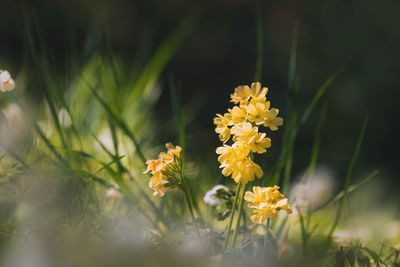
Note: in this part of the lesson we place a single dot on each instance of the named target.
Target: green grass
(84, 183)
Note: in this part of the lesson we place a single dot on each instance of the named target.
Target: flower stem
(235, 234)
(232, 215)
(266, 239)
(190, 206)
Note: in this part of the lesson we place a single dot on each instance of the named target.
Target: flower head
(223, 123)
(6, 82)
(243, 122)
(166, 170)
(241, 95)
(266, 202)
(272, 120)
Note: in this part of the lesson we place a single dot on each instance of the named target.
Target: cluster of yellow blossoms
(266, 202)
(165, 170)
(243, 122)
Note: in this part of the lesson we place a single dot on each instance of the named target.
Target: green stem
(266, 238)
(232, 215)
(235, 234)
(190, 207)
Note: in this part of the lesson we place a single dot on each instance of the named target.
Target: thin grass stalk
(266, 237)
(316, 144)
(348, 177)
(235, 234)
(232, 215)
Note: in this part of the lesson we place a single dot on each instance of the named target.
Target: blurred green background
(220, 53)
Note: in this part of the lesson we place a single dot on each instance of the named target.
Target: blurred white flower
(352, 236)
(211, 197)
(106, 139)
(392, 230)
(314, 190)
(13, 125)
(12, 112)
(64, 118)
(6, 82)
(113, 192)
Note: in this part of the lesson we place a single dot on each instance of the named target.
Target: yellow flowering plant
(242, 123)
(166, 170)
(266, 202)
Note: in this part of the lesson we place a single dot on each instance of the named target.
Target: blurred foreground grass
(73, 192)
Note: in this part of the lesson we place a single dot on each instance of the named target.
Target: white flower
(12, 112)
(211, 197)
(64, 118)
(6, 83)
(105, 138)
(314, 190)
(347, 237)
(113, 192)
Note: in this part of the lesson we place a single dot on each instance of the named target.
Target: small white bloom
(314, 190)
(6, 82)
(64, 118)
(211, 197)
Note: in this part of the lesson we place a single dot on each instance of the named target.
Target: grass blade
(349, 176)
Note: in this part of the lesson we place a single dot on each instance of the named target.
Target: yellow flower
(257, 112)
(259, 143)
(263, 214)
(222, 128)
(247, 171)
(241, 95)
(160, 182)
(6, 82)
(271, 119)
(244, 131)
(173, 150)
(266, 202)
(239, 114)
(237, 151)
(257, 197)
(242, 170)
(273, 194)
(257, 92)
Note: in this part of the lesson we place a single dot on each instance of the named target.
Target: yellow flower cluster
(160, 182)
(266, 202)
(243, 122)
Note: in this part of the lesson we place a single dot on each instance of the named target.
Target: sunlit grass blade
(317, 97)
(16, 157)
(177, 108)
(316, 143)
(41, 62)
(50, 145)
(161, 57)
(288, 136)
(121, 124)
(348, 177)
(123, 170)
(351, 189)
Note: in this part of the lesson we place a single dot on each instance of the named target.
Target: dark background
(221, 53)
